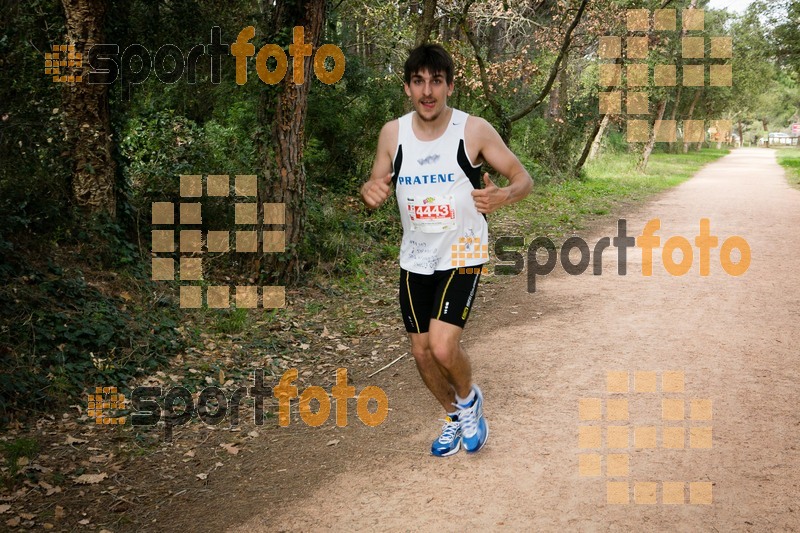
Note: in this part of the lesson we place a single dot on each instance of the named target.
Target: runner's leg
(432, 373)
(445, 346)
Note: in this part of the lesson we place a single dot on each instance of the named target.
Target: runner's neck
(430, 131)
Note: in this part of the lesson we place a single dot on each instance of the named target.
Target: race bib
(432, 214)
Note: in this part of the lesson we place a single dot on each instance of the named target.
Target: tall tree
(282, 113)
(504, 117)
(426, 22)
(86, 114)
(662, 95)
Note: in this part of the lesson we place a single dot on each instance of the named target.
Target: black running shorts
(445, 295)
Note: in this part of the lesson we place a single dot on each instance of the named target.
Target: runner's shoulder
(389, 135)
(478, 126)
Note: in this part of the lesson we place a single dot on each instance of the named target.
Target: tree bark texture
(282, 113)
(689, 117)
(426, 22)
(598, 138)
(86, 115)
(651, 142)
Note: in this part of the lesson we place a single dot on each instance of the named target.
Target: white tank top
(434, 180)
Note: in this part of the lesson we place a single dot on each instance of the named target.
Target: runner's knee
(422, 354)
(444, 352)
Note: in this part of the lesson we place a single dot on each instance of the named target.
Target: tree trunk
(591, 140)
(598, 138)
(283, 114)
(741, 134)
(674, 113)
(426, 22)
(504, 119)
(689, 117)
(496, 34)
(558, 95)
(86, 115)
(651, 143)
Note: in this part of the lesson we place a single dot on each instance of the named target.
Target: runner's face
(428, 93)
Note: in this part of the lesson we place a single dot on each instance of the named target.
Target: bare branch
(556, 66)
(495, 105)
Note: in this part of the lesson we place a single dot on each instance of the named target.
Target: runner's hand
(490, 198)
(376, 191)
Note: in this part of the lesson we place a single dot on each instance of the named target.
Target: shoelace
(466, 415)
(449, 431)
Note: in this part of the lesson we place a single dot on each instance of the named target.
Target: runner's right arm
(378, 188)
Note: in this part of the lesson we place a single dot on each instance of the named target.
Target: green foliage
(784, 18)
(343, 124)
(34, 171)
(161, 146)
(13, 451)
(343, 237)
(232, 321)
(60, 333)
(789, 159)
(65, 336)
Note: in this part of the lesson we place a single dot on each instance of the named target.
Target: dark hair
(430, 57)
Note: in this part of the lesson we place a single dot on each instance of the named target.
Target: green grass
(13, 451)
(558, 209)
(231, 322)
(789, 158)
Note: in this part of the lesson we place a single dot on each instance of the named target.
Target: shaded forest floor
(64, 472)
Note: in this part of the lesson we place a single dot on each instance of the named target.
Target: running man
(433, 157)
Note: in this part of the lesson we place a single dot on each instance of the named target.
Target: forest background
(81, 164)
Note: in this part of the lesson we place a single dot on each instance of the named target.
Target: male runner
(433, 156)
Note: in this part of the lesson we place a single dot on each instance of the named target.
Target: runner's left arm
(495, 152)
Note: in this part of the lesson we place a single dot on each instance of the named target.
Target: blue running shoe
(449, 442)
(475, 430)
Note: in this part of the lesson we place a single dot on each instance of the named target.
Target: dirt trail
(734, 338)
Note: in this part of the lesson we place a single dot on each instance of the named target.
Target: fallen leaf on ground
(91, 479)
(5, 507)
(201, 475)
(72, 440)
(230, 448)
(333, 442)
(84, 522)
(53, 490)
(13, 522)
(59, 513)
